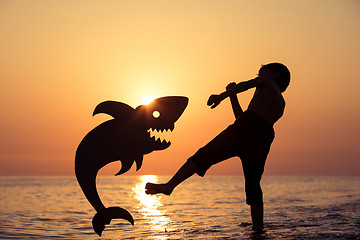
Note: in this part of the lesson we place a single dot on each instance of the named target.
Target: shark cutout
(125, 138)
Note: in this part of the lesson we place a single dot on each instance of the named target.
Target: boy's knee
(254, 194)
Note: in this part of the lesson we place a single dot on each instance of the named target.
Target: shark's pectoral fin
(127, 163)
(125, 166)
(139, 161)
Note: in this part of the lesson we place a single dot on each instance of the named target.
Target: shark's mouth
(158, 137)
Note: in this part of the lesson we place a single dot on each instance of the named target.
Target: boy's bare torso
(268, 101)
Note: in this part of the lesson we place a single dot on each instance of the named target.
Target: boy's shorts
(249, 138)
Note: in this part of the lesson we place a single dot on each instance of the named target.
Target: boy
(249, 138)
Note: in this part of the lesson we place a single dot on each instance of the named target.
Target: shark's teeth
(160, 135)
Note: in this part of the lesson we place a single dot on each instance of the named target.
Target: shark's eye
(156, 114)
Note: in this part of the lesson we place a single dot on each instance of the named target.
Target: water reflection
(149, 206)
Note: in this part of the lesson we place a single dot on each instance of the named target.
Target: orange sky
(59, 59)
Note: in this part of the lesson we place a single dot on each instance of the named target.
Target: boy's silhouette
(249, 137)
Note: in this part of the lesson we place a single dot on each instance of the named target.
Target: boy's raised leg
(186, 171)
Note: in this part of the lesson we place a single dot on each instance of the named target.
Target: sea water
(212, 207)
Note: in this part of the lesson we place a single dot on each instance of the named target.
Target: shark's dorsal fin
(114, 109)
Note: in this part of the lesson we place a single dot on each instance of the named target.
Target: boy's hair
(284, 79)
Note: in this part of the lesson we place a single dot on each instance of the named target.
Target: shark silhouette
(126, 138)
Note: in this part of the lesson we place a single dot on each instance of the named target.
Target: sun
(147, 99)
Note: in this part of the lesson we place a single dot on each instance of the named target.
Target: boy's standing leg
(253, 163)
(257, 216)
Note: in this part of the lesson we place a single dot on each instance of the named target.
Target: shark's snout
(161, 115)
(163, 112)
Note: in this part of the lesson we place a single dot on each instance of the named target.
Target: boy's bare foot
(258, 228)
(152, 188)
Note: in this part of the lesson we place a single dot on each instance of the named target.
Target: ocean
(212, 207)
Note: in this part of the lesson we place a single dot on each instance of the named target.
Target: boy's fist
(214, 100)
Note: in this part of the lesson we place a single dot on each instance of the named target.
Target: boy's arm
(216, 99)
(234, 102)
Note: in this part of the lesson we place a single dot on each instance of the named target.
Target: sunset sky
(59, 59)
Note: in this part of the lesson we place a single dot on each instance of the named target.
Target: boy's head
(281, 72)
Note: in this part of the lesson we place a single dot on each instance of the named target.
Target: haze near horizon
(59, 59)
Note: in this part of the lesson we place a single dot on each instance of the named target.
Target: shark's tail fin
(104, 217)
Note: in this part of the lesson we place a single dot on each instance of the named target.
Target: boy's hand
(230, 85)
(214, 100)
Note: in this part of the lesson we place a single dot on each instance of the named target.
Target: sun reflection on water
(149, 206)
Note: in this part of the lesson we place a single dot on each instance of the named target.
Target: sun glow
(150, 206)
(147, 99)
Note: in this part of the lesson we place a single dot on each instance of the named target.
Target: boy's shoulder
(269, 84)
